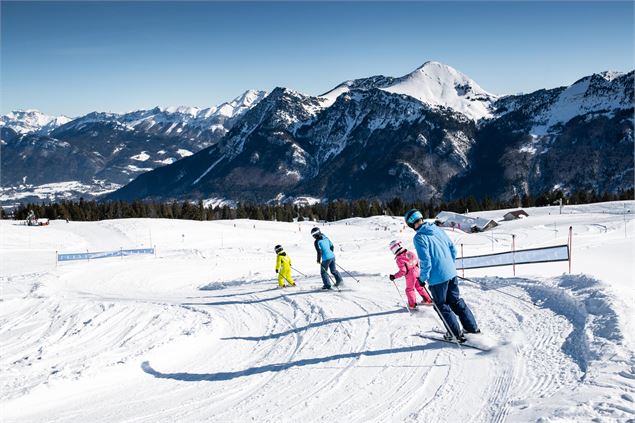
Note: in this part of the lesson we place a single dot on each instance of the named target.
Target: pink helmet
(396, 247)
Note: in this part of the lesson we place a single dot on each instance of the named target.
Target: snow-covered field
(201, 333)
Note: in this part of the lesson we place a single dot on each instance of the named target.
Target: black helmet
(315, 232)
(278, 249)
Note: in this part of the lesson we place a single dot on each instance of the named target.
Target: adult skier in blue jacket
(436, 257)
(326, 258)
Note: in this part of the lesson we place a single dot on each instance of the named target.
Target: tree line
(335, 210)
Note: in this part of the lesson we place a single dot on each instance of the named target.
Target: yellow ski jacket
(283, 261)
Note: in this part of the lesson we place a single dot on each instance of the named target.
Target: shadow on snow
(278, 367)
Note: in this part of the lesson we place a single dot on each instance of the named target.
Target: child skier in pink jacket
(408, 264)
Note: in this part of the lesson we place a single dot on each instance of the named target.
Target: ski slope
(201, 333)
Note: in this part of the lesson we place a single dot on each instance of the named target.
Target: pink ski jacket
(408, 264)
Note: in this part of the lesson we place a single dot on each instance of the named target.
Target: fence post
(121, 252)
(570, 245)
(514, 255)
(55, 258)
(87, 256)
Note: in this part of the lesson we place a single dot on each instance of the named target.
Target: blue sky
(75, 57)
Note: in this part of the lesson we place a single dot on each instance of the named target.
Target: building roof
(447, 218)
(517, 213)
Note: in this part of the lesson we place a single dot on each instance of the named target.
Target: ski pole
(503, 292)
(299, 272)
(399, 293)
(445, 323)
(347, 272)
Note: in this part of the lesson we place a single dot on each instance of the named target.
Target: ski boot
(450, 337)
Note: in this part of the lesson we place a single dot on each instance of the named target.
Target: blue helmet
(412, 216)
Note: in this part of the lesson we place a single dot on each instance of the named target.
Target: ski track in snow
(155, 339)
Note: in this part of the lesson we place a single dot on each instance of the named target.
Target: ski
(441, 339)
(336, 289)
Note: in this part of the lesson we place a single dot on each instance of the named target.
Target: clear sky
(75, 57)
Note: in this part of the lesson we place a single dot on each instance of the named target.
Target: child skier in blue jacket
(326, 258)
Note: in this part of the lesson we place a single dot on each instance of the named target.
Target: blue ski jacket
(324, 248)
(436, 253)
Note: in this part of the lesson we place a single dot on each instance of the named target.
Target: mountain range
(431, 134)
(58, 157)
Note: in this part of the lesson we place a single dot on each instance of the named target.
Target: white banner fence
(511, 258)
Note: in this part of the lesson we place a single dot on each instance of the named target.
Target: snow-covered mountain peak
(248, 98)
(240, 104)
(611, 75)
(603, 92)
(434, 84)
(431, 64)
(31, 120)
(184, 110)
(442, 74)
(185, 120)
(437, 84)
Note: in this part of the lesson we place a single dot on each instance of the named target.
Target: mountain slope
(106, 149)
(362, 140)
(431, 134)
(32, 121)
(569, 138)
(367, 143)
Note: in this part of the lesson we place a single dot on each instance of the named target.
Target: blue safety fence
(103, 254)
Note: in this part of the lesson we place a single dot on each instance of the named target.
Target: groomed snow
(201, 333)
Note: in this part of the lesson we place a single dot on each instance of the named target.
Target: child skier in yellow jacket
(283, 267)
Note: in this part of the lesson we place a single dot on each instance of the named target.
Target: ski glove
(276, 270)
(318, 260)
(421, 283)
(392, 277)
